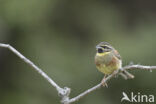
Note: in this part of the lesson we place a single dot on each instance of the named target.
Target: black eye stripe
(105, 47)
(100, 50)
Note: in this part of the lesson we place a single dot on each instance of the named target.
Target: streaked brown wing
(117, 54)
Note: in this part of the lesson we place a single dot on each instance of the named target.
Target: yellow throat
(102, 54)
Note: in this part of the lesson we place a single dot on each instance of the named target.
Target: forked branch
(65, 92)
(127, 74)
(61, 91)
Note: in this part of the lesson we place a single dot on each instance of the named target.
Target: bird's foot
(115, 73)
(103, 82)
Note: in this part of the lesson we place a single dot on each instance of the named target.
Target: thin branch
(141, 67)
(65, 92)
(26, 60)
(90, 90)
(124, 69)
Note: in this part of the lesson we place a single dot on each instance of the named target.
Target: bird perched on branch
(107, 60)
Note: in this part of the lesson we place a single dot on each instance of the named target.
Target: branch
(90, 90)
(141, 67)
(65, 92)
(123, 72)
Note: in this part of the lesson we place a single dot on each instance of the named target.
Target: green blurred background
(60, 37)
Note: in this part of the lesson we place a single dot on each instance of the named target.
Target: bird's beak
(97, 47)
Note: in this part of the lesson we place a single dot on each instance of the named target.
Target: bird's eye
(100, 50)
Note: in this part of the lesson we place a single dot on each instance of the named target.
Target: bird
(107, 60)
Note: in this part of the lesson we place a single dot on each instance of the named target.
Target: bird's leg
(103, 81)
(115, 73)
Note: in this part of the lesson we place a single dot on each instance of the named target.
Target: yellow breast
(107, 64)
(108, 69)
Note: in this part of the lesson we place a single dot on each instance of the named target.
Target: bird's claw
(104, 83)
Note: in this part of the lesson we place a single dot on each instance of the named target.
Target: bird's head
(103, 48)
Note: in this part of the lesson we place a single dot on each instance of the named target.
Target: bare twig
(124, 69)
(90, 90)
(141, 67)
(61, 91)
(65, 92)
